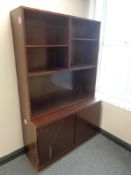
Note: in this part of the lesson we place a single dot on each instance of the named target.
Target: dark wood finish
(56, 62)
(84, 131)
(82, 28)
(53, 29)
(84, 39)
(84, 53)
(53, 117)
(56, 91)
(21, 64)
(52, 71)
(44, 46)
(55, 138)
(84, 128)
(43, 142)
(29, 130)
(62, 135)
(44, 59)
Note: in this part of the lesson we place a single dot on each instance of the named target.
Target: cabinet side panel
(91, 114)
(20, 58)
(17, 23)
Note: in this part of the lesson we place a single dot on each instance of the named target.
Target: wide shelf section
(57, 70)
(52, 92)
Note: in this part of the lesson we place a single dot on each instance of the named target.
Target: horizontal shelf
(69, 100)
(41, 73)
(48, 45)
(84, 39)
(82, 67)
(40, 118)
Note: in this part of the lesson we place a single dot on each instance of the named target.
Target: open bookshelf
(56, 61)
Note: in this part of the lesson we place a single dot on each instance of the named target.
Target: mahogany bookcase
(56, 61)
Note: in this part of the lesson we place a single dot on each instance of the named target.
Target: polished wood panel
(44, 146)
(29, 130)
(46, 46)
(84, 131)
(55, 116)
(62, 135)
(20, 57)
(86, 119)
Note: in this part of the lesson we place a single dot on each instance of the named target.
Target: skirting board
(21, 151)
(115, 139)
(12, 156)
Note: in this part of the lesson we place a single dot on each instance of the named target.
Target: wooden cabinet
(56, 61)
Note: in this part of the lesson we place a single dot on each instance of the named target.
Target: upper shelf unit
(58, 53)
(46, 28)
(56, 43)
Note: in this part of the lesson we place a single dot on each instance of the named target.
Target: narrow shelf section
(49, 45)
(84, 39)
(41, 73)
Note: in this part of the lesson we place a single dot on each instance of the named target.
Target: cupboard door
(43, 144)
(62, 135)
(85, 118)
(83, 131)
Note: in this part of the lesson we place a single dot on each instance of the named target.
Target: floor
(98, 156)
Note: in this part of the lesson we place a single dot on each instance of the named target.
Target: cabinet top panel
(50, 118)
(35, 10)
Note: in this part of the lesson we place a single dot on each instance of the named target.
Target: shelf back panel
(42, 28)
(43, 59)
(84, 28)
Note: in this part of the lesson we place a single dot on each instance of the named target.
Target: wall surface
(10, 122)
(116, 121)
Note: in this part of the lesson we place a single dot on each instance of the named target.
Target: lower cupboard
(57, 138)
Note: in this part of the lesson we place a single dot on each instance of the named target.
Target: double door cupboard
(56, 62)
